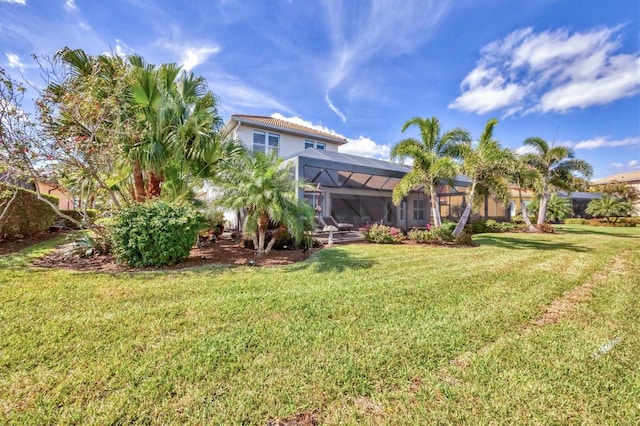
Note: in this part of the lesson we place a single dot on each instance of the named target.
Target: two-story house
(350, 188)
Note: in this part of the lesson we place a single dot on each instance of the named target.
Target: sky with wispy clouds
(565, 70)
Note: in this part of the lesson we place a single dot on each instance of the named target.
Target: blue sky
(564, 70)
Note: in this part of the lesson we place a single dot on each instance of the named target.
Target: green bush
(155, 233)
(382, 234)
(27, 214)
(490, 226)
(78, 215)
(464, 239)
(576, 221)
(433, 235)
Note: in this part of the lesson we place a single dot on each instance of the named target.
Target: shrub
(155, 233)
(490, 225)
(545, 228)
(576, 221)
(27, 214)
(464, 239)
(434, 235)
(214, 222)
(382, 234)
(90, 245)
(78, 215)
(420, 236)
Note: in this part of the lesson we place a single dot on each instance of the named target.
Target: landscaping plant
(155, 233)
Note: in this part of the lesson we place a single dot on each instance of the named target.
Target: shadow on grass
(591, 230)
(334, 259)
(25, 257)
(528, 244)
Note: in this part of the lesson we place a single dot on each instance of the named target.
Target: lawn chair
(329, 220)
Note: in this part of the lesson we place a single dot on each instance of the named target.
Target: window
(265, 142)
(401, 212)
(317, 145)
(418, 210)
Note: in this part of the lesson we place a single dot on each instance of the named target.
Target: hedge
(27, 214)
(78, 215)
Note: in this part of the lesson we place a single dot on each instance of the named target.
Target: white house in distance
(349, 188)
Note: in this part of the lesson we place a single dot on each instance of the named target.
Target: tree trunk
(138, 183)
(281, 230)
(153, 187)
(542, 213)
(467, 212)
(263, 226)
(435, 209)
(525, 213)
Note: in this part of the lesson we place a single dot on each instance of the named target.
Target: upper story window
(312, 144)
(266, 142)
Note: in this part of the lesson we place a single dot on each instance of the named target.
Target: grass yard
(358, 334)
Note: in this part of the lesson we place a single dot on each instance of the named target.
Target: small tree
(266, 189)
(609, 207)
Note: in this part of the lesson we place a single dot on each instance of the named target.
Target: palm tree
(431, 163)
(609, 206)
(524, 176)
(265, 187)
(486, 165)
(556, 166)
(178, 126)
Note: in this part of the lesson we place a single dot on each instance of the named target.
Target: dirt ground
(8, 246)
(228, 252)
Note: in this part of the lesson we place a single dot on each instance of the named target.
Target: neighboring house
(579, 201)
(65, 199)
(630, 178)
(45, 187)
(350, 188)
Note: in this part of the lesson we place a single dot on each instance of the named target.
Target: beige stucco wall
(65, 201)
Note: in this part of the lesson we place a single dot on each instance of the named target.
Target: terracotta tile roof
(283, 125)
(622, 177)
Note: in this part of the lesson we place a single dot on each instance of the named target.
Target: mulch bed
(224, 252)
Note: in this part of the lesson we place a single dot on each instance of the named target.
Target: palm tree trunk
(467, 212)
(525, 213)
(138, 183)
(542, 213)
(263, 226)
(153, 185)
(435, 209)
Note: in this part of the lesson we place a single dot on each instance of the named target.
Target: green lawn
(358, 334)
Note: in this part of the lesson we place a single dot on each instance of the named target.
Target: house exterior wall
(289, 144)
(65, 201)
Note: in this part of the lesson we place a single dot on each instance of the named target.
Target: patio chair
(329, 220)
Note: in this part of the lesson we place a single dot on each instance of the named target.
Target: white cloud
(365, 147)
(191, 56)
(618, 167)
(604, 142)
(302, 122)
(14, 61)
(550, 71)
(122, 49)
(525, 149)
(364, 31)
(70, 5)
(333, 108)
(236, 96)
(84, 26)
(22, 2)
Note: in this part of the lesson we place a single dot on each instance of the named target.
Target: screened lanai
(358, 190)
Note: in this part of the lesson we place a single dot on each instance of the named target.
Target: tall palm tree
(524, 176)
(431, 164)
(556, 166)
(486, 165)
(265, 187)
